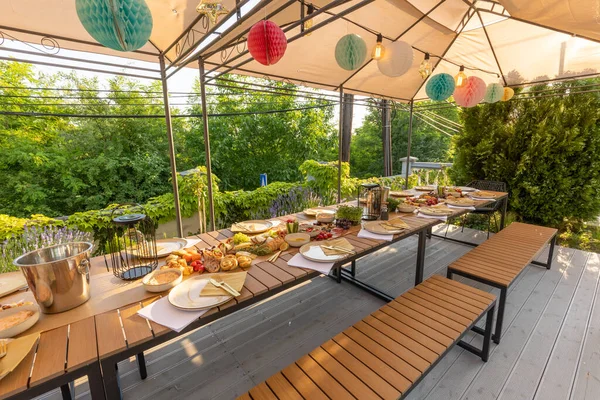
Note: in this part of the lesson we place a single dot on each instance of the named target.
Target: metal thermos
(58, 276)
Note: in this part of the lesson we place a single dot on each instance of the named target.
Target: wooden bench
(388, 353)
(501, 259)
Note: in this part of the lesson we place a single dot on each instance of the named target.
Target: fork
(225, 286)
(3, 347)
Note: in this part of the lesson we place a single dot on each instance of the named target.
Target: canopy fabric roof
(506, 41)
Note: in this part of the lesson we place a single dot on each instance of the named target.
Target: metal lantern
(369, 196)
(131, 242)
(123, 25)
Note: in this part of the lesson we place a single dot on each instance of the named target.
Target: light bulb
(309, 23)
(378, 50)
(425, 67)
(461, 78)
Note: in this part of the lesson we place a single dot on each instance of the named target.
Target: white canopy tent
(513, 42)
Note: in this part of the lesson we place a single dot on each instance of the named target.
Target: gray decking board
(229, 356)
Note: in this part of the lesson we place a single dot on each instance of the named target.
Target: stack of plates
(186, 295)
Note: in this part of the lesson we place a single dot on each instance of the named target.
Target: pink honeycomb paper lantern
(471, 93)
(266, 42)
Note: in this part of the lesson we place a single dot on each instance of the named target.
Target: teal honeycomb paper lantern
(350, 52)
(440, 87)
(493, 93)
(123, 25)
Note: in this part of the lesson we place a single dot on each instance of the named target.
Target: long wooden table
(121, 333)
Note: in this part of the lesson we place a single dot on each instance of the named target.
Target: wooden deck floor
(550, 349)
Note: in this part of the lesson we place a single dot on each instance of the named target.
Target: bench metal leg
(141, 360)
(503, 215)
(487, 336)
(500, 318)
(353, 268)
(548, 263)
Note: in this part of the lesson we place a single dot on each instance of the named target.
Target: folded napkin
(396, 223)
(300, 262)
(163, 313)
(17, 350)
(461, 208)
(341, 242)
(369, 235)
(234, 279)
(192, 242)
(440, 217)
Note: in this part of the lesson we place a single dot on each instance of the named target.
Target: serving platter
(22, 326)
(252, 227)
(11, 282)
(379, 228)
(485, 195)
(313, 252)
(164, 247)
(186, 295)
(461, 202)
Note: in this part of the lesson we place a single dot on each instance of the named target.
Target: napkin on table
(440, 217)
(340, 242)
(300, 262)
(192, 242)
(234, 279)
(461, 208)
(163, 313)
(369, 235)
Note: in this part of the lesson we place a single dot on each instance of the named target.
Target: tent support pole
(410, 128)
(165, 89)
(386, 136)
(211, 205)
(339, 183)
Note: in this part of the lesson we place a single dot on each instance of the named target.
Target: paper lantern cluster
(123, 28)
(440, 87)
(350, 52)
(471, 93)
(396, 60)
(266, 42)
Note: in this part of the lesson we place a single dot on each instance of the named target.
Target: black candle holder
(131, 242)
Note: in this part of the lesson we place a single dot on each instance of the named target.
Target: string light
(309, 23)
(425, 67)
(461, 78)
(378, 50)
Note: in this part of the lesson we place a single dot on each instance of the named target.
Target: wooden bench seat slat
(453, 303)
(479, 295)
(411, 308)
(378, 365)
(484, 274)
(499, 271)
(457, 314)
(303, 384)
(492, 263)
(322, 379)
(464, 287)
(397, 356)
(262, 392)
(429, 323)
(417, 325)
(352, 384)
(451, 292)
(282, 388)
(360, 370)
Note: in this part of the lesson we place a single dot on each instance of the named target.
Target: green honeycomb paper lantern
(350, 52)
(123, 25)
(493, 93)
(440, 87)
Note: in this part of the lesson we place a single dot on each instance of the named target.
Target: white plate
(186, 296)
(424, 188)
(314, 252)
(435, 212)
(312, 212)
(375, 227)
(252, 227)
(467, 189)
(23, 326)
(11, 282)
(167, 246)
(460, 203)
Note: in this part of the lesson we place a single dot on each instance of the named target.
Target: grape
(343, 223)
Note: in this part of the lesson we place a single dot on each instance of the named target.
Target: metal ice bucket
(58, 275)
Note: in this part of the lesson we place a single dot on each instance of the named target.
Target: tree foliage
(427, 144)
(547, 148)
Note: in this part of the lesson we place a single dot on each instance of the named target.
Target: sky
(182, 81)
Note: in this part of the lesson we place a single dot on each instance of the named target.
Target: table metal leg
(66, 391)
(95, 383)
(141, 360)
(110, 375)
(353, 268)
(503, 215)
(420, 257)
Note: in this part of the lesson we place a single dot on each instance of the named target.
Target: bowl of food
(161, 280)
(406, 208)
(17, 318)
(325, 217)
(309, 229)
(297, 239)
